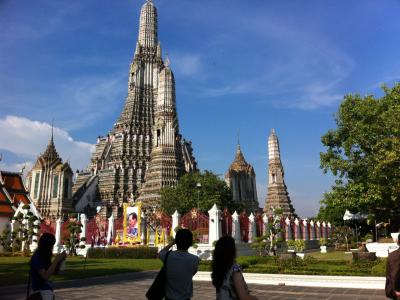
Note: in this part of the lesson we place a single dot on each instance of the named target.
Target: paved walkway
(134, 286)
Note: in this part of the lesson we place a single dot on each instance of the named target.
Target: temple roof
(240, 164)
(12, 192)
(50, 154)
(50, 157)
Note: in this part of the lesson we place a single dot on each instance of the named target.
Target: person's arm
(164, 251)
(392, 275)
(45, 274)
(240, 287)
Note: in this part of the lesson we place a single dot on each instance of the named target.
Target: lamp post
(198, 186)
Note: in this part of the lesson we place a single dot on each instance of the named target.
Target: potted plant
(322, 244)
(299, 246)
(291, 245)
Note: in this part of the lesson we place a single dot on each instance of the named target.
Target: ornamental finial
(167, 61)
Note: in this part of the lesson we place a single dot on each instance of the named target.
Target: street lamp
(198, 186)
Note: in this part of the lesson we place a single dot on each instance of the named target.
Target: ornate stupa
(241, 178)
(144, 138)
(277, 195)
(49, 183)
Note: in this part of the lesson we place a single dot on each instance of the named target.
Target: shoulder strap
(29, 279)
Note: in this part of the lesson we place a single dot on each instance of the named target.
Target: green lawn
(14, 270)
(333, 263)
(333, 255)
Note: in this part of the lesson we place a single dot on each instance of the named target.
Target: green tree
(187, 195)
(363, 152)
(73, 240)
(25, 232)
(273, 237)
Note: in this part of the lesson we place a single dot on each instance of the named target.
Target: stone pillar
(236, 227)
(312, 230)
(175, 222)
(324, 235)
(252, 229)
(57, 245)
(297, 229)
(306, 236)
(83, 222)
(265, 221)
(143, 225)
(110, 231)
(214, 229)
(288, 229)
(318, 230)
(329, 230)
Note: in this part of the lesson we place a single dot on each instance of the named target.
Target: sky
(240, 66)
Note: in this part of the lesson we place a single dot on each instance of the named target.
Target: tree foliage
(363, 152)
(72, 240)
(272, 239)
(26, 230)
(186, 195)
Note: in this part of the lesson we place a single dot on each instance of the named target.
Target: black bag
(157, 289)
(35, 296)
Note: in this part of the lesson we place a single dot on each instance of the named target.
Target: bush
(299, 245)
(119, 252)
(379, 269)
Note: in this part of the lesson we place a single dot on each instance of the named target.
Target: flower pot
(395, 236)
(301, 255)
(323, 249)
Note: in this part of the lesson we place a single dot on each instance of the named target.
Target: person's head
(183, 239)
(132, 219)
(223, 259)
(45, 247)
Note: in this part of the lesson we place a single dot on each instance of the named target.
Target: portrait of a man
(132, 223)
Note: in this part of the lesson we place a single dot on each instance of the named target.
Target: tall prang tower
(277, 195)
(145, 136)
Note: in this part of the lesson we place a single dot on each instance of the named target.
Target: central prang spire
(148, 25)
(144, 150)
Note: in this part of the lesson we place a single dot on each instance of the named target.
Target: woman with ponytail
(226, 275)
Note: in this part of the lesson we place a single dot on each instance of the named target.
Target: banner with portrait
(132, 230)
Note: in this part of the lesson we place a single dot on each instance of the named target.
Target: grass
(14, 270)
(333, 255)
(333, 263)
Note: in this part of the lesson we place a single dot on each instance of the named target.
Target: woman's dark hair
(45, 248)
(183, 239)
(223, 258)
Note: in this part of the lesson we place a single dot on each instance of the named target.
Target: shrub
(299, 245)
(323, 241)
(379, 269)
(119, 252)
(291, 244)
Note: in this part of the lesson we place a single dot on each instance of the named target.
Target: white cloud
(28, 138)
(185, 63)
(17, 167)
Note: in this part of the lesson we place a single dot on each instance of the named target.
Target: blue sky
(245, 66)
